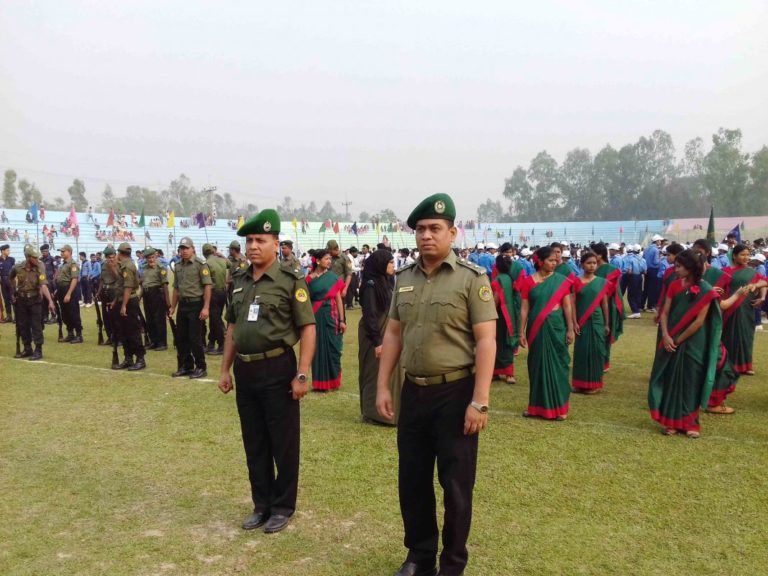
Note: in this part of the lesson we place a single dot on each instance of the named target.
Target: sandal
(562, 418)
(692, 434)
(749, 373)
(527, 414)
(511, 380)
(722, 409)
(669, 431)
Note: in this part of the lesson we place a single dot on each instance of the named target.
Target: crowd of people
(475, 308)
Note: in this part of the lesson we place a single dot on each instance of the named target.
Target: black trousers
(270, 424)
(5, 287)
(127, 329)
(106, 298)
(652, 288)
(352, 290)
(155, 311)
(215, 321)
(635, 292)
(85, 285)
(70, 312)
(189, 336)
(431, 428)
(29, 320)
(45, 312)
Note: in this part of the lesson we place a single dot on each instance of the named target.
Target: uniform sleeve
(205, 275)
(163, 276)
(302, 307)
(176, 276)
(393, 307)
(230, 316)
(41, 274)
(131, 279)
(481, 305)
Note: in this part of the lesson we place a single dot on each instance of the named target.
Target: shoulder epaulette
(293, 272)
(479, 270)
(201, 260)
(406, 267)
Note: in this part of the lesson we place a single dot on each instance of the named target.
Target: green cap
(124, 247)
(435, 206)
(109, 250)
(208, 249)
(331, 245)
(265, 222)
(234, 244)
(186, 242)
(65, 247)
(31, 252)
(149, 251)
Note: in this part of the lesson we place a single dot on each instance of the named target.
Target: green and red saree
(326, 364)
(506, 287)
(726, 377)
(548, 356)
(681, 381)
(590, 348)
(612, 275)
(739, 319)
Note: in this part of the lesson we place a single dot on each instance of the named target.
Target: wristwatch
(482, 408)
(302, 378)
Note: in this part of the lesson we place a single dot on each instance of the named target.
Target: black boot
(26, 353)
(78, 339)
(139, 365)
(37, 354)
(70, 336)
(127, 363)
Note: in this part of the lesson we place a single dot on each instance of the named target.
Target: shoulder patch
(163, 272)
(479, 270)
(74, 268)
(292, 272)
(301, 295)
(41, 277)
(485, 294)
(205, 272)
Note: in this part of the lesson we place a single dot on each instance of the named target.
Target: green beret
(208, 249)
(149, 251)
(265, 222)
(31, 252)
(436, 206)
(124, 247)
(109, 250)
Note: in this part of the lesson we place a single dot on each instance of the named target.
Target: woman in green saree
(739, 319)
(325, 292)
(592, 330)
(684, 367)
(506, 294)
(612, 275)
(546, 329)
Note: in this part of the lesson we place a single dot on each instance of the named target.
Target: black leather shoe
(68, 338)
(139, 365)
(181, 372)
(159, 348)
(127, 363)
(276, 523)
(198, 373)
(76, 340)
(26, 353)
(255, 520)
(36, 355)
(412, 569)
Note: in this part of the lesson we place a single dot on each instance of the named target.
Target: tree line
(643, 181)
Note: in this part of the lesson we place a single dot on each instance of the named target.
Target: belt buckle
(419, 380)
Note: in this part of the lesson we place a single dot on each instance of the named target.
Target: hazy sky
(380, 102)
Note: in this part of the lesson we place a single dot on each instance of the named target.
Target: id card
(253, 313)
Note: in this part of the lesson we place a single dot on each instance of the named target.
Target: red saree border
(505, 371)
(563, 290)
(499, 289)
(593, 305)
(691, 314)
(327, 384)
(548, 413)
(584, 385)
(687, 422)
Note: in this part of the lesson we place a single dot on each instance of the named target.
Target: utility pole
(346, 205)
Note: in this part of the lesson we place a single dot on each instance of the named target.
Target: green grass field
(106, 472)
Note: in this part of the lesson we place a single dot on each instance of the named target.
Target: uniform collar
(449, 260)
(273, 271)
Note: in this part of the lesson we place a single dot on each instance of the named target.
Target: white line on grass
(508, 413)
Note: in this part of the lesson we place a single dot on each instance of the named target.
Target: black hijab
(375, 277)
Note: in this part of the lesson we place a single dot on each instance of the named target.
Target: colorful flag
(322, 227)
(240, 221)
(354, 228)
(72, 217)
(33, 211)
(200, 219)
(142, 223)
(336, 228)
(711, 227)
(111, 217)
(294, 224)
(76, 232)
(171, 218)
(736, 232)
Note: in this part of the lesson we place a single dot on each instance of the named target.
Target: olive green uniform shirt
(234, 264)
(190, 277)
(437, 313)
(127, 278)
(218, 267)
(154, 276)
(284, 307)
(341, 266)
(291, 263)
(29, 278)
(67, 271)
(108, 280)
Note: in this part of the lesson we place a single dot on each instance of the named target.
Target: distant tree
(490, 211)
(757, 189)
(58, 204)
(543, 176)
(327, 212)
(692, 164)
(9, 189)
(387, 215)
(77, 195)
(726, 171)
(607, 182)
(583, 200)
(519, 192)
(364, 217)
(29, 193)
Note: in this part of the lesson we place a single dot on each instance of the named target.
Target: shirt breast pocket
(269, 305)
(406, 302)
(446, 309)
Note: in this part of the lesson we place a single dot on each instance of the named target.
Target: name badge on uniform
(405, 289)
(253, 310)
